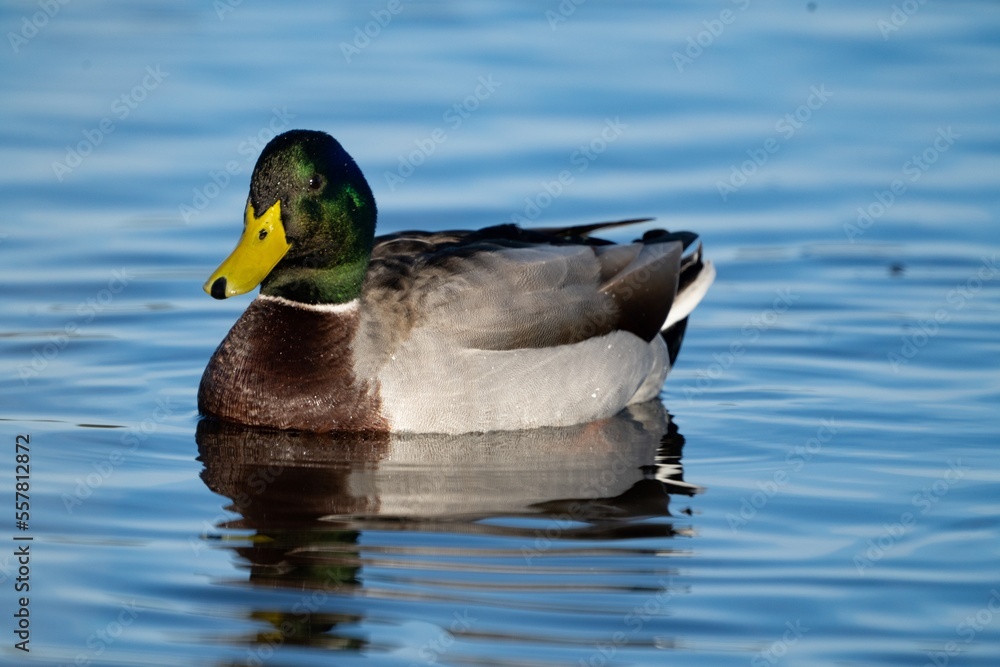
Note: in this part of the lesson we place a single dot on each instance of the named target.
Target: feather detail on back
(506, 328)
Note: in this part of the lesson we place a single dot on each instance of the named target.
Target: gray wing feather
(536, 296)
(500, 330)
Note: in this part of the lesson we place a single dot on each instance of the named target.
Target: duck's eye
(315, 182)
(262, 235)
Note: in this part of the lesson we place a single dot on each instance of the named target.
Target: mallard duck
(502, 328)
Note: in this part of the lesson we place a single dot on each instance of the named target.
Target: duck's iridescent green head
(308, 227)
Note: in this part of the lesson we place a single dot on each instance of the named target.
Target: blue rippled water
(819, 484)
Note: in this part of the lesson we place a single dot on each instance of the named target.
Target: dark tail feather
(674, 336)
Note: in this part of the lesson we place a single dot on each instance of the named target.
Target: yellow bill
(261, 247)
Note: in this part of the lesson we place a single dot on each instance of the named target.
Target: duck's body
(448, 332)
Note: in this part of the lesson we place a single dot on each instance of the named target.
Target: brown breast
(290, 367)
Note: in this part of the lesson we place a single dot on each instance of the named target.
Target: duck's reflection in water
(476, 509)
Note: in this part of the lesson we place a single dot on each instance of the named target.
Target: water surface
(817, 484)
